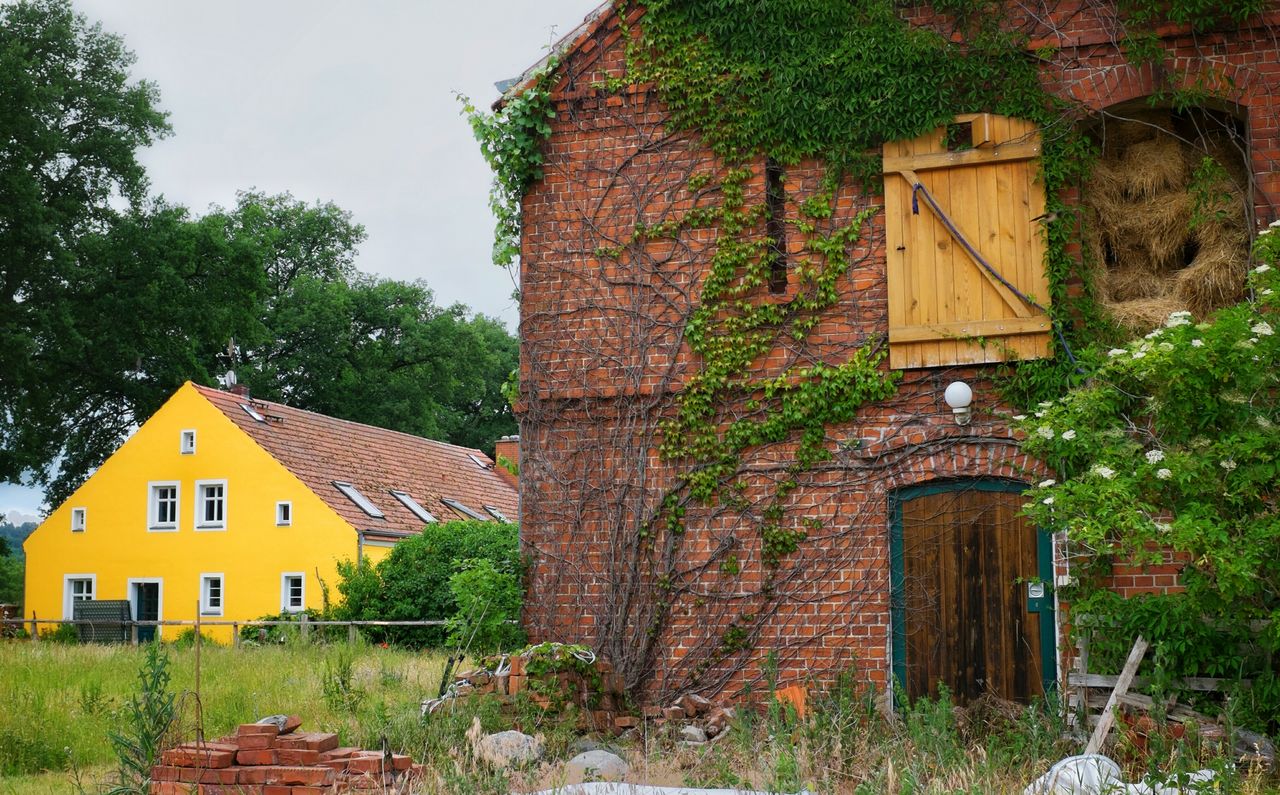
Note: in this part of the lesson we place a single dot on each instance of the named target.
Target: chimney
(506, 451)
(240, 389)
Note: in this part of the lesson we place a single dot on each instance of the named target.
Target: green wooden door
(971, 592)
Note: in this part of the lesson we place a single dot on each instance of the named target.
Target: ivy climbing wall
(710, 429)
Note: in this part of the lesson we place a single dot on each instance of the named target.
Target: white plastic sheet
(1094, 774)
(602, 788)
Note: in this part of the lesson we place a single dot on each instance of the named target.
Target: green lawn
(60, 701)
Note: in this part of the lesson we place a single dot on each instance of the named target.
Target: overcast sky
(349, 102)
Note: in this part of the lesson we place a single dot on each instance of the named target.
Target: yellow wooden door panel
(940, 295)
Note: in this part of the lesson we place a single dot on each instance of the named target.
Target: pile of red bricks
(262, 759)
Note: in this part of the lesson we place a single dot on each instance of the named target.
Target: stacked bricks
(262, 759)
(603, 709)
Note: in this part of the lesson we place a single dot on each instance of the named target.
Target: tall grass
(60, 701)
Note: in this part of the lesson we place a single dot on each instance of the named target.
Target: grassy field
(58, 704)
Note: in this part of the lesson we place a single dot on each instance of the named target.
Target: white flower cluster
(1045, 432)
(1263, 268)
(1068, 435)
(1155, 456)
(1116, 352)
(1263, 329)
(1163, 474)
(1044, 484)
(1103, 472)
(1197, 343)
(1227, 464)
(1175, 319)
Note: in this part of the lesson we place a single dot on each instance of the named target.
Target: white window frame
(465, 510)
(68, 611)
(496, 513)
(201, 524)
(133, 598)
(206, 608)
(285, 607)
(415, 507)
(79, 519)
(189, 434)
(284, 513)
(153, 506)
(357, 497)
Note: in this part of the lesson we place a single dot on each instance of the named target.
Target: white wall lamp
(958, 397)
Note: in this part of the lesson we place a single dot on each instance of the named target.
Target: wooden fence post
(306, 627)
(235, 634)
(35, 628)
(351, 634)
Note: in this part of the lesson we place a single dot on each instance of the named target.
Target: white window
(284, 514)
(292, 592)
(76, 588)
(414, 507)
(353, 494)
(78, 519)
(464, 510)
(162, 506)
(187, 445)
(496, 513)
(211, 504)
(210, 594)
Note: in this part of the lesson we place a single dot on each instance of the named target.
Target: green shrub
(488, 608)
(144, 724)
(413, 582)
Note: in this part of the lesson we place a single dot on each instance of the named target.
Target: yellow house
(234, 508)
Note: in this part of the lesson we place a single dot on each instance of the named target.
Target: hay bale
(1153, 167)
(1214, 278)
(1118, 132)
(1132, 284)
(1144, 314)
(1148, 234)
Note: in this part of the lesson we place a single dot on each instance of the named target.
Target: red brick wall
(603, 353)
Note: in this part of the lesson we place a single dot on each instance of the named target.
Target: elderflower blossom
(1227, 464)
(1263, 268)
(1164, 474)
(1044, 484)
(1164, 527)
(1019, 417)
(1068, 435)
(1274, 224)
(1155, 456)
(1166, 346)
(1175, 319)
(1263, 329)
(1048, 500)
(1139, 354)
(1267, 291)
(1104, 472)
(1117, 352)
(1045, 432)
(1197, 343)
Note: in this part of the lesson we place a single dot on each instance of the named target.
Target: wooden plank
(996, 153)
(943, 265)
(1003, 327)
(897, 253)
(1199, 683)
(1108, 716)
(965, 288)
(921, 263)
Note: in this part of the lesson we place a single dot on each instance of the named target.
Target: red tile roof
(320, 450)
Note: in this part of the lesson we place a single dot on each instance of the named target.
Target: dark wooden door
(146, 600)
(970, 592)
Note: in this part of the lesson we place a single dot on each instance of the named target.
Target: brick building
(915, 559)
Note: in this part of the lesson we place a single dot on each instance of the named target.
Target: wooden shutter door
(943, 305)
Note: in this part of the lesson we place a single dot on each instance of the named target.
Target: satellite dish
(229, 379)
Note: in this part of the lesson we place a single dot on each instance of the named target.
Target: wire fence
(129, 631)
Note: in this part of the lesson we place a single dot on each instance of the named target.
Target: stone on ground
(509, 749)
(597, 765)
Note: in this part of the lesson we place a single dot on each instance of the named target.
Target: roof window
(412, 504)
(252, 412)
(497, 514)
(462, 509)
(361, 501)
(480, 462)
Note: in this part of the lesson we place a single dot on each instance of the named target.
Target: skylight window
(252, 412)
(480, 462)
(460, 508)
(412, 504)
(361, 501)
(497, 514)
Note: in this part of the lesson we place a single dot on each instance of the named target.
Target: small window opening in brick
(775, 228)
(959, 136)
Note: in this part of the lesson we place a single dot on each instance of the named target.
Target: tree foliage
(413, 582)
(1173, 444)
(110, 300)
